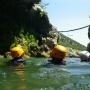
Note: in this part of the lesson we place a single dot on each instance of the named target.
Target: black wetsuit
(57, 61)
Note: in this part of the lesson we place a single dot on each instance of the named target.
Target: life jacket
(59, 52)
(17, 52)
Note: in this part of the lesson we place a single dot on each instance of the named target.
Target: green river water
(38, 75)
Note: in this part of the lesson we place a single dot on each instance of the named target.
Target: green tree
(18, 14)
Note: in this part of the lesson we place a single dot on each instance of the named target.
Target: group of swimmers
(58, 53)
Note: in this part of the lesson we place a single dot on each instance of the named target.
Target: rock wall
(88, 46)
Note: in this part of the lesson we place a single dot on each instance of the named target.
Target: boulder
(84, 55)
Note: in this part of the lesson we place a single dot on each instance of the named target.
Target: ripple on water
(75, 75)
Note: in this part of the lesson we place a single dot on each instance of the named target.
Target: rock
(84, 55)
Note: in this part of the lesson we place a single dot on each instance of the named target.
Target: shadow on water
(38, 75)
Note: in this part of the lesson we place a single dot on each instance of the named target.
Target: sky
(68, 15)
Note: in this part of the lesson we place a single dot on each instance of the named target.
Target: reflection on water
(12, 78)
(38, 75)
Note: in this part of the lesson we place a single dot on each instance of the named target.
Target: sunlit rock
(84, 55)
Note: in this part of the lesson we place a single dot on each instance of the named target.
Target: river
(38, 75)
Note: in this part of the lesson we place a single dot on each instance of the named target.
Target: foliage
(88, 46)
(68, 42)
(89, 32)
(26, 41)
(17, 14)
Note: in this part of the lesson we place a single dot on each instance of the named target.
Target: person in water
(58, 53)
(17, 54)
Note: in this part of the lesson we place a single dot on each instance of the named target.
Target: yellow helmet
(17, 52)
(59, 52)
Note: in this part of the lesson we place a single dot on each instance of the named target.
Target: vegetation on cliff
(68, 42)
(88, 46)
(21, 21)
(25, 23)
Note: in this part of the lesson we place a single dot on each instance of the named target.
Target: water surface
(38, 75)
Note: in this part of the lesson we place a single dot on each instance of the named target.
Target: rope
(76, 29)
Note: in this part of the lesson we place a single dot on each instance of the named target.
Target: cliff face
(28, 17)
(89, 32)
(88, 46)
(18, 15)
(68, 42)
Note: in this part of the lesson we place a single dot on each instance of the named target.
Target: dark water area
(38, 75)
